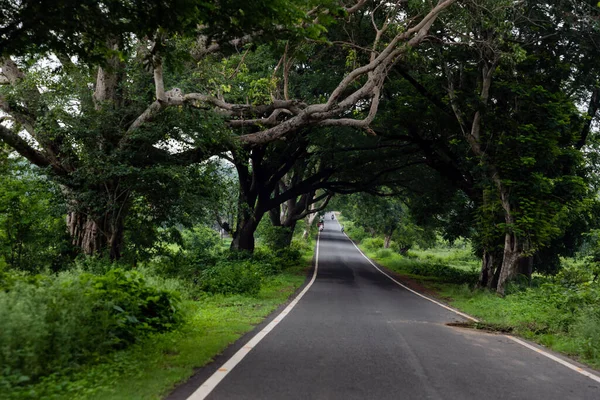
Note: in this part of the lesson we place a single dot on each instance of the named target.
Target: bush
(372, 244)
(384, 253)
(56, 322)
(274, 237)
(575, 273)
(443, 271)
(199, 251)
(290, 256)
(356, 233)
(231, 278)
(587, 332)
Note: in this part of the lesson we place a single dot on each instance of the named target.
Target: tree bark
(98, 233)
(243, 238)
(287, 234)
(510, 261)
(85, 233)
(489, 271)
(310, 218)
(386, 242)
(286, 228)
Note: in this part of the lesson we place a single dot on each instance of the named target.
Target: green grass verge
(152, 368)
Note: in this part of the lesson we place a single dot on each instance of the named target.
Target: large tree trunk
(249, 216)
(287, 234)
(285, 224)
(94, 237)
(243, 238)
(510, 261)
(85, 233)
(95, 233)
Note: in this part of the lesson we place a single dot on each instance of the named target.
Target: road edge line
(211, 383)
(557, 359)
(514, 339)
(409, 289)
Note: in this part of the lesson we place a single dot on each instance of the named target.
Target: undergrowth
(101, 332)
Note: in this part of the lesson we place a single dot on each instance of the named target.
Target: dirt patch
(482, 326)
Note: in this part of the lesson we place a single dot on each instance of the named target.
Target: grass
(152, 368)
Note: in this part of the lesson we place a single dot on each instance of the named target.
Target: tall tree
(97, 123)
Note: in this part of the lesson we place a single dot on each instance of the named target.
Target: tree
(32, 235)
(511, 115)
(97, 124)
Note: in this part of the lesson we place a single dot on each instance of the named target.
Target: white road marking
(212, 382)
(409, 289)
(514, 339)
(558, 360)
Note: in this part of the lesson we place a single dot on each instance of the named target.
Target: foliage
(32, 234)
(53, 323)
(231, 278)
(273, 237)
(385, 216)
(152, 367)
(243, 273)
(372, 244)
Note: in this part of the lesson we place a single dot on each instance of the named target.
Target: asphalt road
(357, 335)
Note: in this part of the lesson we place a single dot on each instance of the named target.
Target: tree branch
(22, 147)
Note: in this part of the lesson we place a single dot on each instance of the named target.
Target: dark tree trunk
(404, 250)
(243, 238)
(115, 239)
(285, 231)
(287, 234)
(488, 278)
(525, 267)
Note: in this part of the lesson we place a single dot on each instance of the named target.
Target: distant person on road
(332, 216)
(342, 228)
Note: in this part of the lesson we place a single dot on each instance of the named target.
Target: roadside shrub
(290, 256)
(200, 241)
(274, 237)
(231, 278)
(401, 248)
(384, 253)
(443, 271)
(575, 273)
(356, 233)
(373, 244)
(57, 322)
(199, 251)
(586, 330)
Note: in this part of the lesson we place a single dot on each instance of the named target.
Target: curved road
(357, 335)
